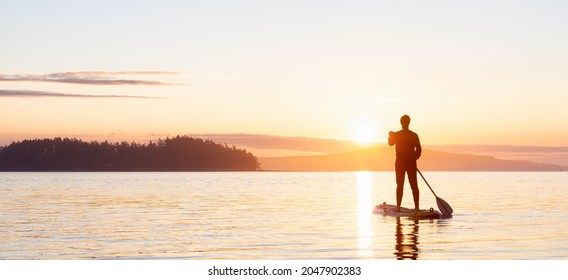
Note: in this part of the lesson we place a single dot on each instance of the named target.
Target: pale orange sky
(467, 73)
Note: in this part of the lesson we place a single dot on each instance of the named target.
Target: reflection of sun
(364, 217)
(364, 134)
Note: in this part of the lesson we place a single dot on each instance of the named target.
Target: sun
(364, 134)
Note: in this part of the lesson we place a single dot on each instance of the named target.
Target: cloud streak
(89, 78)
(299, 143)
(33, 93)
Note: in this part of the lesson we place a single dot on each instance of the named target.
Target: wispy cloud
(299, 143)
(33, 93)
(499, 149)
(89, 78)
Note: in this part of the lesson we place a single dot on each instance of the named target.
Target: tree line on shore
(180, 153)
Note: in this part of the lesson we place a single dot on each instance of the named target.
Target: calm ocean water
(279, 215)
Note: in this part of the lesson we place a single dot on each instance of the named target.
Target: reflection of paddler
(406, 246)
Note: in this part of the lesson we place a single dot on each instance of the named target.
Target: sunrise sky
(467, 72)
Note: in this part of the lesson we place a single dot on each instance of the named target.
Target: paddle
(443, 206)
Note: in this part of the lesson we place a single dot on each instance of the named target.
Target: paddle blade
(444, 207)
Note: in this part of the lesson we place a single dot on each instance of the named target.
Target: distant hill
(382, 159)
(281, 146)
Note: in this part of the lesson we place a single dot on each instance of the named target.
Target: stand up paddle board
(390, 210)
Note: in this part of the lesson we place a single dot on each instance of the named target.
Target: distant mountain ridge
(281, 146)
(382, 158)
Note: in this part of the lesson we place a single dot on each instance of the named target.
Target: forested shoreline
(180, 153)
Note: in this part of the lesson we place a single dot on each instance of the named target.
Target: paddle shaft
(426, 182)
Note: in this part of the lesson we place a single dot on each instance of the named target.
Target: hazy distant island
(382, 158)
(180, 153)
